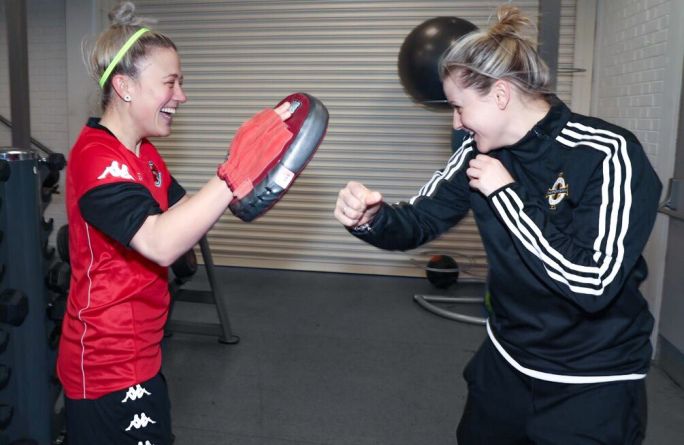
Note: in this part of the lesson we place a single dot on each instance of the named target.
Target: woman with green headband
(128, 221)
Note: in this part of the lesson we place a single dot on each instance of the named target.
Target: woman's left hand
(487, 174)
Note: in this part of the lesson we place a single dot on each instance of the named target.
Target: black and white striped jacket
(563, 244)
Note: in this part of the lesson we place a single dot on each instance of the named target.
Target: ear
(120, 85)
(501, 91)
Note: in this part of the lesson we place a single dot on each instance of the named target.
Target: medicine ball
(420, 55)
(442, 271)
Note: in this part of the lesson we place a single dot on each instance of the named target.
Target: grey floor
(337, 359)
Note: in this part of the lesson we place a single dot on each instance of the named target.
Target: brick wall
(632, 67)
(637, 84)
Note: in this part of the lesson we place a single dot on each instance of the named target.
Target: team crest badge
(157, 175)
(558, 191)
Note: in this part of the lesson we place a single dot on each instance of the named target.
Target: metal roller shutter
(240, 56)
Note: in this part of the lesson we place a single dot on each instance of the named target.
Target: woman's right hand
(356, 205)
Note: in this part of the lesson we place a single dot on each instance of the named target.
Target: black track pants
(505, 407)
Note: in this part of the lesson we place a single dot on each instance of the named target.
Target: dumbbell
(58, 277)
(5, 374)
(185, 266)
(13, 307)
(6, 413)
(4, 340)
(62, 240)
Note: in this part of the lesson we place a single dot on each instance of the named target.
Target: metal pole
(17, 47)
(549, 36)
(227, 333)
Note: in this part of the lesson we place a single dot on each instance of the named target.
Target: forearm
(164, 237)
(405, 226)
(439, 205)
(582, 263)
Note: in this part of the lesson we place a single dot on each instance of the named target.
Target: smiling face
(477, 113)
(156, 92)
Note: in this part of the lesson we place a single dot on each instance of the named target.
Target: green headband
(122, 52)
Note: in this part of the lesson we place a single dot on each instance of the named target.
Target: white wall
(46, 29)
(638, 69)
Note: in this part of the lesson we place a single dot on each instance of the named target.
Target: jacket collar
(537, 140)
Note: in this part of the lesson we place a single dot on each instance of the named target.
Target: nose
(457, 120)
(179, 94)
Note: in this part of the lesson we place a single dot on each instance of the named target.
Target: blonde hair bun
(123, 15)
(510, 23)
(501, 52)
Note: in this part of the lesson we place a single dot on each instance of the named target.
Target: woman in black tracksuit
(565, 204)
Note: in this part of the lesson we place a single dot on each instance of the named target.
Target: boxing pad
(308, 124)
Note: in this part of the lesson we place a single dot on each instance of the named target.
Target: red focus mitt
(308, 123)
(255, 149)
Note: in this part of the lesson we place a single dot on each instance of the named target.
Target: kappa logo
(140, 422)
(134, 393)
(116, 171)
(147, 442)
(558, 191)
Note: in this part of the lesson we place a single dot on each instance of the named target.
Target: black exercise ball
(442, 271)
(420, 54)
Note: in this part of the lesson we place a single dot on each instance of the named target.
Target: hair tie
(115, 61)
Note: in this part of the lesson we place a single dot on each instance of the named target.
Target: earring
(127, 98)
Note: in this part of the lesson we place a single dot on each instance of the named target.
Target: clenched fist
(487, 174)
(356, 205)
